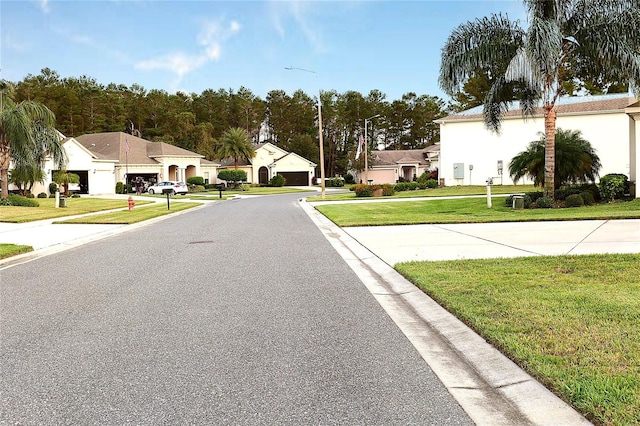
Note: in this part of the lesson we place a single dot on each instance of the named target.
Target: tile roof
(112, 146)
(566, 105)
(405, 156)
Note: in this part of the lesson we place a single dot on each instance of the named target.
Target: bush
(613, 186)
(335, 182)
(401, 186)
(20, 201)
(424, 177)
(544, 203)
(278, 180)
(363, 190)
(52, 195)
(119, 188)
(53, 187)
(588, 198)
(196, 188)
(75, 195)
(432, 183)
(30, 195)
(574, 200)
(534, 196)
(349, 179)
(195, 180)
(43, 195)
(232, 175)
(387, 190)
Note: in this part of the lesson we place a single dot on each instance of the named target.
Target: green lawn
(8, 250)
(138, 214)
(465, 210)
(47, 209)
(573, 322)
(446, 191)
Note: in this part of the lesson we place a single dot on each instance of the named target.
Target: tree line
(197, 122)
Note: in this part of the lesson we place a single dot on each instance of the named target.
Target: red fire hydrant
(131, 203)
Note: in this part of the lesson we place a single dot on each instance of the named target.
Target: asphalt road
(237, 313)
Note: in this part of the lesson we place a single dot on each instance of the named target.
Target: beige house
(271, 160)
(470, 154)
(391, 166)
(103, 159)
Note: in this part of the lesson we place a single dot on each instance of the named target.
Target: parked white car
(175, 187)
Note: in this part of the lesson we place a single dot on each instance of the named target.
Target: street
(237, 313)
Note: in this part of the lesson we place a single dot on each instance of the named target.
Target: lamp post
(366, 146)
(320, 140)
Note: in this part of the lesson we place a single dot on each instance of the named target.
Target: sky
(192, 46)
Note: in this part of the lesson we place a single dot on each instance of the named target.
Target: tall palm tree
(603, 36)
(21, 127)
(576, 160)
(236, 144)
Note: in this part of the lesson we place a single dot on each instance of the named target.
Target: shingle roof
(113, 146)
(566, 105)
(406, 156)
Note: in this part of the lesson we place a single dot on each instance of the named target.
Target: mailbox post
(168, 192)
(489, 183)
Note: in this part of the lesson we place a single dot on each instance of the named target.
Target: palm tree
(603, 36)
(236, 144)
(576, 161)
(64, 178)
(21, 135)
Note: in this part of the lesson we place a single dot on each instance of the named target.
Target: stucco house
(470, 153)
(391, 166)
(103, 159)
(271, 160)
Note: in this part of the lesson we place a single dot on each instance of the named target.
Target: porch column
(634, 150)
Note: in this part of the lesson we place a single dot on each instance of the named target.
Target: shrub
(196, 188)
(30, 195)
(43, 195)
(278, 180)
(387, 190)
(424, 177)
(412, 185)
(53, 187)
(534, 195)
(432, 183)
(401, 186)
(335, 182)
(18, 200)
(613, 186)
(195, 180)
(574, 200)
(544, 203)
(349, 179)
(363, 190)
(232, 175)
(119, 188)
(75, 195)
(588, 198)
(52, 195)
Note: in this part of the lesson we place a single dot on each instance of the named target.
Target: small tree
(575, 160)
(64, 178)
(233, 176)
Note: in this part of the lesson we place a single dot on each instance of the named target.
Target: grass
(8, 250)
(47, 209)
(447, 191)
(573, 322)
(465, 210)
(127, 217)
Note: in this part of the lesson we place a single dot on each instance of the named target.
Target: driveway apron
(237, 313)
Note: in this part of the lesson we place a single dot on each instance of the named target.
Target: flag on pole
(359, 150)
(126, 144)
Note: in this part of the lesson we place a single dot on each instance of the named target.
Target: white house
(470, 153)
(271, 160)
(103, 159)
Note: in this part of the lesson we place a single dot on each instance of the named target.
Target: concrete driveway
(404, 243)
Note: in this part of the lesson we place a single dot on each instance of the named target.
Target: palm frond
(479, 44)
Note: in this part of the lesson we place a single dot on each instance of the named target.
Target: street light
(366, 146)
(320, 141)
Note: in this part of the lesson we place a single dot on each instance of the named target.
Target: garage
(295, 178)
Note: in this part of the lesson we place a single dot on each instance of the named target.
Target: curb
(490, 387)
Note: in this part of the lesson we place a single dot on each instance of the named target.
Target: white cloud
(44, 5)
(305, 14)
(211, 37)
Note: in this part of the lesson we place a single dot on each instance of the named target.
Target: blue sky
(191, 46)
